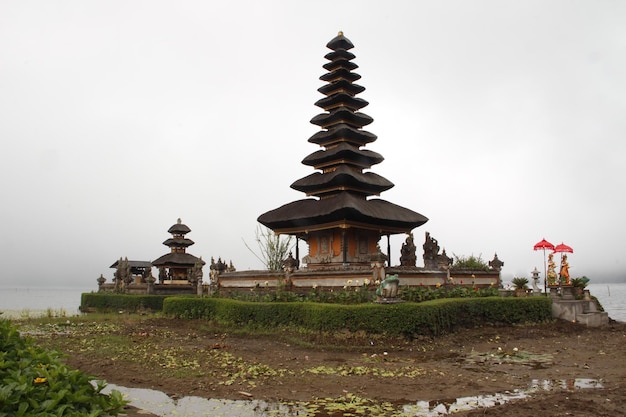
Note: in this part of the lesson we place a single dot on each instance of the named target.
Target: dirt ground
(185, 358)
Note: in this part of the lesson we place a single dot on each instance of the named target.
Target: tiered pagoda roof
(178, 244)
(340, 185)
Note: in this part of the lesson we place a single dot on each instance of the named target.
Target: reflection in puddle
(160, 404)
(442, 407)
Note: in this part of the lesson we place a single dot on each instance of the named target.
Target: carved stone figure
(123, 276)
(162, 275)
(552, 278)
(407, 252)
(378, 266)
(388, 287)
(564, 274)
(194, 275)
(432, 258)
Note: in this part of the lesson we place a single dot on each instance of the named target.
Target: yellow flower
(438, 284)
(39, 380)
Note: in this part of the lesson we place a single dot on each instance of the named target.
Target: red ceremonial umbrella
(543, 245)
(562, 248)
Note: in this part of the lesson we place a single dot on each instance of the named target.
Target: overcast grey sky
(501, 121)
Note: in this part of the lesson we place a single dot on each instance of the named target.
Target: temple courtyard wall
(304, 280)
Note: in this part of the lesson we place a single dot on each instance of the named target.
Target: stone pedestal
(554, 292)
(567, 292)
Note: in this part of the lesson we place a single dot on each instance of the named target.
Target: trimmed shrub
(431, 317)
(107, 302)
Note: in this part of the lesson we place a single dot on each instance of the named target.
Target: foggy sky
(501, 121)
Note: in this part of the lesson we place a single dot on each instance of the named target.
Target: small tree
(273, 248)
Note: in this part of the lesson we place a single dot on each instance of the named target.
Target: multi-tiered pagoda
(342, 224)
(176, 264)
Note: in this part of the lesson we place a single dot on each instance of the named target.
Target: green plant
(107, 302)
(580, 282)
(35, 382)
(430, 317)
(474, 263)
(520, 283)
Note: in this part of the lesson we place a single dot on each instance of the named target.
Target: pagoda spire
(341, 222)
(342, 161)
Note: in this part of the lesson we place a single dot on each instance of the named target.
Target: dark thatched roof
(179, 242)
(343, 151)
(134, 264)
(179, 228)
(343, 208)
(176, 259)
(343, 177)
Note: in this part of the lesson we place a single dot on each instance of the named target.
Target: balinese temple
(176, 264)
(341, 220)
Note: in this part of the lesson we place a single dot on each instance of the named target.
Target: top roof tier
(343, 134)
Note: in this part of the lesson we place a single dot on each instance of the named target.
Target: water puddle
(443, 407)
(158, 403)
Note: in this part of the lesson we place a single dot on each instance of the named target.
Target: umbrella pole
(545, 273)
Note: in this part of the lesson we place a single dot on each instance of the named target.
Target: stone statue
(162, 275)
(431, 249)
(551, 275)
(564, 274)
(197, 275)
(407, 252)
(123, 276)
(432, 258)
(378, 266)
(388, 287)
(194, 274)
(150, 280)
(128, 275)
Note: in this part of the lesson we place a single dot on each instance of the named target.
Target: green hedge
(106, 302)
(431, 317)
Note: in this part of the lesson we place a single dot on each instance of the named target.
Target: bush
(432, 317)
(520, 283)
(107, 302)
(473, 263)
(34, 382)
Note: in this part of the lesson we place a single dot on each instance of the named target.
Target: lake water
(65, 301)
(612, 297)
(24, 301)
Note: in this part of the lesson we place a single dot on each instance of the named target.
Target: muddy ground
(197, 358)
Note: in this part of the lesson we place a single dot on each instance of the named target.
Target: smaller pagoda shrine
(175, 266)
